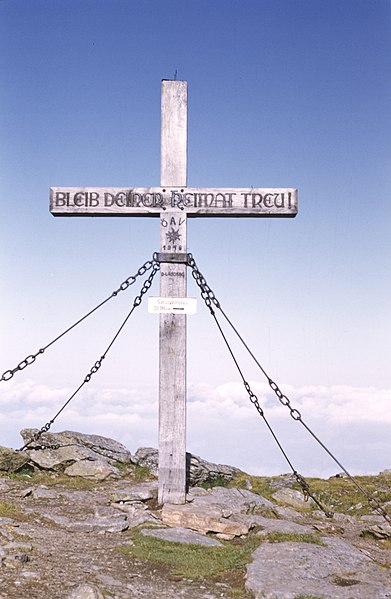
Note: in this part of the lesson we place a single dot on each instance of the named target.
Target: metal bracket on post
(173, 258)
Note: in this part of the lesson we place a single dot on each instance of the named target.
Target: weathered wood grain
(173, 202)
(172, 331)
(193, 201)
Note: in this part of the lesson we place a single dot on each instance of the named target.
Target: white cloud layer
(223, 426)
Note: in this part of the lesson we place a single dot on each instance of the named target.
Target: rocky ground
(64, 537)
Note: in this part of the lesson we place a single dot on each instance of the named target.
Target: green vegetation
(199, 562)
(25, 471)
(9, 510)
(134, 472)
(342, 495)
(219, 481)
(335, 494)
(54, 479)
(141, 473)
(13, 511)
(193, 561)
(258, 484)
(293, 537)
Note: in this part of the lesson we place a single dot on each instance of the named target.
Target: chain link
(209, 298)
(254, 399)
(206, 292)
(284, 399)
(8, 374)
(137, 301)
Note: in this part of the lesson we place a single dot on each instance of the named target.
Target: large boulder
(147, 457)
(103, 447)
(218, 510)
(333, 570)
(75, 454)
(202, 471)
(198, 470)
(11, 460)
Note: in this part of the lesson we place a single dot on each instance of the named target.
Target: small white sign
(172, 305)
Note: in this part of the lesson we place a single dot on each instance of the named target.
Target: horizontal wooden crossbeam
(154, 201)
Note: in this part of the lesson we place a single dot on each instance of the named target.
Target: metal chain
(137, 301)
(8, 374)
(210, 299)
(206, 292)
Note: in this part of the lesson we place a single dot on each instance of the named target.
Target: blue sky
(282, 93)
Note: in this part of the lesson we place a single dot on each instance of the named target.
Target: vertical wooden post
(172, 334)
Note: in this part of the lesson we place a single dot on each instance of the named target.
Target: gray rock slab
(181, 535)
(372, 518)
(93, 469)
(4, 484)
(18, 545)
(274, 525)
(219, 510)
(107, 511)
(292, 497)
(109, 580)
(334, 571)
(200, 470)
(93, 524)
(103, 447)
(44, 493)
(338, 517)
(130, 508)
(377, 532)
(147, 457)
(203, 471)
(236, 500)
(4, 521)
(11, 460)
(135, 493)
(201, 519)
(142, 518)
(57, 459)
(85, 591)
(289, 513)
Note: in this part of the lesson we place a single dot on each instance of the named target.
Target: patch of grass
(262, 510)
(123, 468)
(141, 473)
(9, 510)
(335, 494)
(342, 495)
(55, 479)
(193, 561)
(259, 484)
(308, 597)
(293, 537)
(25, 471)
(219, 481)
(76, 483)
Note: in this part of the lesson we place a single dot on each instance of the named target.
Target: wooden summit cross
(173, 202)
